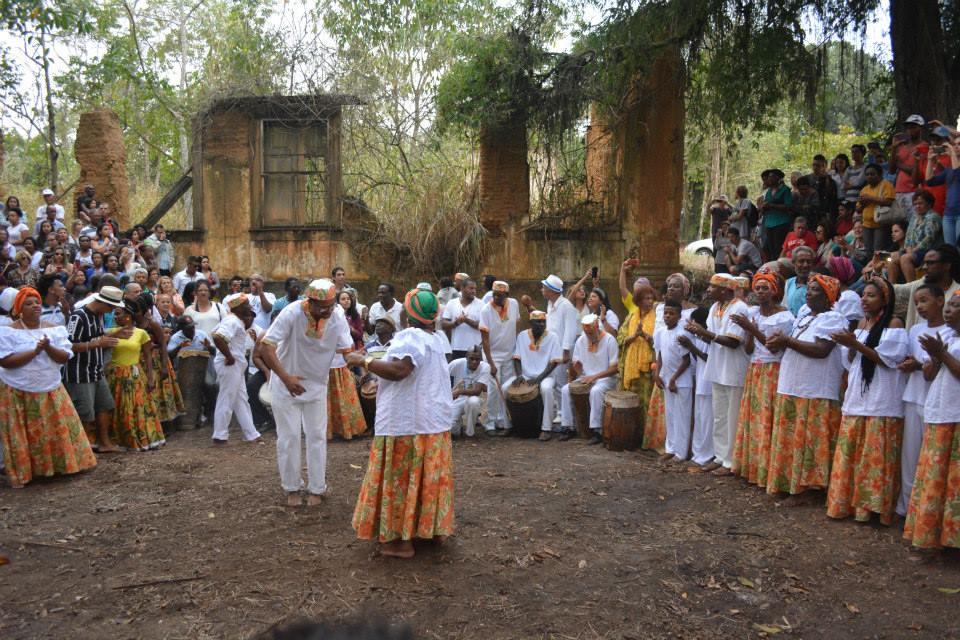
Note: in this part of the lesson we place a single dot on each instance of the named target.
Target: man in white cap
(536, 355)
(594, 362)
(298, 349)
(726, 368)
(230, 339)
(907, 148)
(49, 199)
(563, 321)
(498, 335)
(461, 319)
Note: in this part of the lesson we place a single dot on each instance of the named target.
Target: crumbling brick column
(504, 176)
(102, 158)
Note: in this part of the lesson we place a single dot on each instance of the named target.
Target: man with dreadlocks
(407, 491)
(865, 477)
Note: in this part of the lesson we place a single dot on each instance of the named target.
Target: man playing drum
(298, 349)
(594, 362)
(536, 355)
(471, 379)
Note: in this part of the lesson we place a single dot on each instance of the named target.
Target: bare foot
(257, 440)
(314, 499)
(294, 499)
(798, 500)
(713, 466)
(721, 472)
(109, 448)
(397, 549)
(665, 456)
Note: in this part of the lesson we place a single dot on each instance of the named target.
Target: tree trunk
(919, 64)
(52, 153)
(184, 140)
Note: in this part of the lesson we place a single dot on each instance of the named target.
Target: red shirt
(793, 241)
(844, 226)
(905, 183)
(939, 192)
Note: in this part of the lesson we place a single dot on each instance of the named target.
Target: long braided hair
(867, 366)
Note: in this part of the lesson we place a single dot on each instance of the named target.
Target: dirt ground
(554, 540)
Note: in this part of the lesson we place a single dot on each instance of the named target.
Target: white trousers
(469, 405)
(909, 452)
(547, 386)
(702, 429)
(726, 416)
(292, 419)
(496, 401)
(678, 413)
(559, 380)
(232, 401)
(597, 391)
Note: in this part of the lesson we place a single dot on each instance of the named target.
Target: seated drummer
(536, 355)
(470, 377)
(594, 362)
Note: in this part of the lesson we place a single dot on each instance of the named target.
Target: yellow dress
(135, 424)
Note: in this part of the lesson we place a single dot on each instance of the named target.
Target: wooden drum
(622, 427)
(580, 399)
(368, 400)
(526, 409)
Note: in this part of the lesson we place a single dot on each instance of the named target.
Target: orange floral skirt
(933, 519)
(655, 428)
(135, 424)
(407, 491)
(344, 413)
(166, 397)
(866, 468)
(751, 449)
(801, 443)
(42, 435)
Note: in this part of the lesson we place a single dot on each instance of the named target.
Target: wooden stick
(49, 545)
(150, 583)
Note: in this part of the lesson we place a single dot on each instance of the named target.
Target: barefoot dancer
(407, 492)
(298, 349)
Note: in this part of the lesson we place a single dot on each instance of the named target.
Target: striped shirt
(52, 314)
(86, 366)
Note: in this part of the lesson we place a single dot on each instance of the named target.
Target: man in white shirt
(563, 321)
(49, 214)
(471, 379)
(498, 335)
(726, 366)
(190, 274)
(535, 357)
(261, 301)
(594, 361)
(49, 199)
(461, 319)
(385, 305)
(298, 349)
(230, 338)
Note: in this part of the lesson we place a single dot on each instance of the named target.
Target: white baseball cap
(47, 192)
(915, 119)
(424, 286)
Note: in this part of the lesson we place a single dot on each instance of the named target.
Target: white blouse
(942, 406)
(884, 396)
(813, 378)
(421, 403)
(40, 374)
(916, 388)
(781, 321)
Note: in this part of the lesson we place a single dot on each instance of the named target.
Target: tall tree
(926, 64)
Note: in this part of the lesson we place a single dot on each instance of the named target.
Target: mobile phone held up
(594, 271)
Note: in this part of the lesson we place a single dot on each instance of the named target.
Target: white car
(701, 247)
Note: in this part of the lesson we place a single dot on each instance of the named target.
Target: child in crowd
(675, 376)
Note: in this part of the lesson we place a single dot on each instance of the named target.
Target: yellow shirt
(127, 351)
(638, 356)
(884, 190)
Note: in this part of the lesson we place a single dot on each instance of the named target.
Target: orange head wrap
(771, 279)
(22, 295)
(831, 286)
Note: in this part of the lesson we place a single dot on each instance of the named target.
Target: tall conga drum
(580, 399)
(622, 427)
(526, 409)
(368, 400)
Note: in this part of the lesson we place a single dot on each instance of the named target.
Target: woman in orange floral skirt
(806, 412)
(933, 519)
(751, 449)
(40, 430)
(655, 427)
(866, 465)
(407, 492)
(131, 378)
(344, 413)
